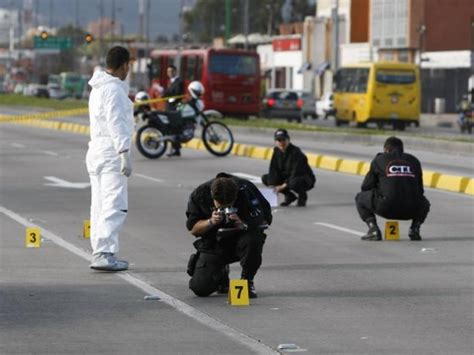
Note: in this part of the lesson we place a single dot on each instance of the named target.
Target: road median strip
(432, 179)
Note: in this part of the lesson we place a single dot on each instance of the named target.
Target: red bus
(231, 77)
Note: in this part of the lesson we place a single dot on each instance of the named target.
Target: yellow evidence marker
(392, 232)
(33, 237)
(86, 229)
(239, 293)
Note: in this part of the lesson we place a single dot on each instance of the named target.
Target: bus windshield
(233, 64)
(352, 80)
(385, 76)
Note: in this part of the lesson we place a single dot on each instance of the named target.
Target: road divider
(432, 179)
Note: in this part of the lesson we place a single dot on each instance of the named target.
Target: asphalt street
(320, 287)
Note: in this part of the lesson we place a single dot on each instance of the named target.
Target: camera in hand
(228, 228)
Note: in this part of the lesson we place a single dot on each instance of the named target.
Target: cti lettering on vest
(399, 169)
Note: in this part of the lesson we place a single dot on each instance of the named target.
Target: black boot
(174, 153)
(223, 287)
(251, 286)
(414, 231)
(290, 197)
(373, 234)
(302, 198)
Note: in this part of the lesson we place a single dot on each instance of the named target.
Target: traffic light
(44, 35)
(89, 38)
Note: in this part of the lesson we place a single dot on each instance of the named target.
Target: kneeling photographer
(228, 215)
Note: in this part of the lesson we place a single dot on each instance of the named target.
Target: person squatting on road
(393, 189)
(108, 158)
(228, 215)
(289, 171)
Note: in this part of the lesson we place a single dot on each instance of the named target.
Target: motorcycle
(163, 127)
(466, 121)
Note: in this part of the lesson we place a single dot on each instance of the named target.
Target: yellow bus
(385, 93)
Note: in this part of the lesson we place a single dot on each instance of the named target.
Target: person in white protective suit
(108, 158)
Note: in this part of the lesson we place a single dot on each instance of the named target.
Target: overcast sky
(163, 13)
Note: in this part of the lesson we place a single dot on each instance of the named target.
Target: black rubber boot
(290, 197)
(414, 231)
(223, 287)
(373, 234)
(302, 198)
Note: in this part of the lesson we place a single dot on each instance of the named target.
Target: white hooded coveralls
(111, 129)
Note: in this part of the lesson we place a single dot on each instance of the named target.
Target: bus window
(154, 69)
(191, 68)
(385, 76)
(199, 66)
(233, 64)
(352, 80)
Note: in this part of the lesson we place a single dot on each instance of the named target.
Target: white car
(325, 106)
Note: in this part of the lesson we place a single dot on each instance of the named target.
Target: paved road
(320, 287)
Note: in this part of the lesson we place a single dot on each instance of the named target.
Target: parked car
(282, 104)
(309, 105)
(325, 106)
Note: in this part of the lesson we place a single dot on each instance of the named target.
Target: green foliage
(207, 18)
(30, 101)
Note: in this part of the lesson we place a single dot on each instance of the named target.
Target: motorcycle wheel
(148, 142)
(217, 138)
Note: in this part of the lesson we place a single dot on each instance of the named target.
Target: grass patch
(31, 101)
(280, 123)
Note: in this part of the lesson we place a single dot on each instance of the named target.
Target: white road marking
(18, 145)
(251, 178)
(254, 345)
(57, 182)
(339, 228)
(160, 181)
(49, 152)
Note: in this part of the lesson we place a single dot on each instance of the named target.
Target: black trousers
(299, 184)
(209, 272)
(366, 206)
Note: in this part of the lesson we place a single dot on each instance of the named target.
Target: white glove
(126, 164)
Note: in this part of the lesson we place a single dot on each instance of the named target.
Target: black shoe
(223, 287)
(174, 153)
(373, 234)
(252, 292)
(414, 232)
(289, 199)
(302, 198)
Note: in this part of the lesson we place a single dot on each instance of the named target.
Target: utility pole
(113, 20)
(101, 30)
(335, 36)
(180, 38)
(50, 14)
(77, 14)
(228, 19)
(246, 23)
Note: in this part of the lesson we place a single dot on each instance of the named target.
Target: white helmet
(141, 96)
(196, 89)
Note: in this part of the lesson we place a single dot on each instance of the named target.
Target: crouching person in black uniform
(228, 216)
(289, 171)
(393, 189)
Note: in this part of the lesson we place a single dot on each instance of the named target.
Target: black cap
(281, 134)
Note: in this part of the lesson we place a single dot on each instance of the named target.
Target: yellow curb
(470, 187)
(350, 166)
(242, 150)
(364, 169)
(260, 153)
(314, 159)
(330, 163)
(430, 178)
(452, 183)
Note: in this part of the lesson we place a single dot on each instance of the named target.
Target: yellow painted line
(470, 187)
(330, 163)
(314, 159)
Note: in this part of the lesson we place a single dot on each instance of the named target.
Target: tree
(206, 20)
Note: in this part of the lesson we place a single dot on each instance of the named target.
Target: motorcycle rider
(216, 249)
(175, 88)
(393, 189)
(108, 158)
(463, 109)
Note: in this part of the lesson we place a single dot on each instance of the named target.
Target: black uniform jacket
(253, 209)
(288, 165)
(397, 181)
(174, 89)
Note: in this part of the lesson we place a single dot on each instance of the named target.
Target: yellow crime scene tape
(72, 112)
